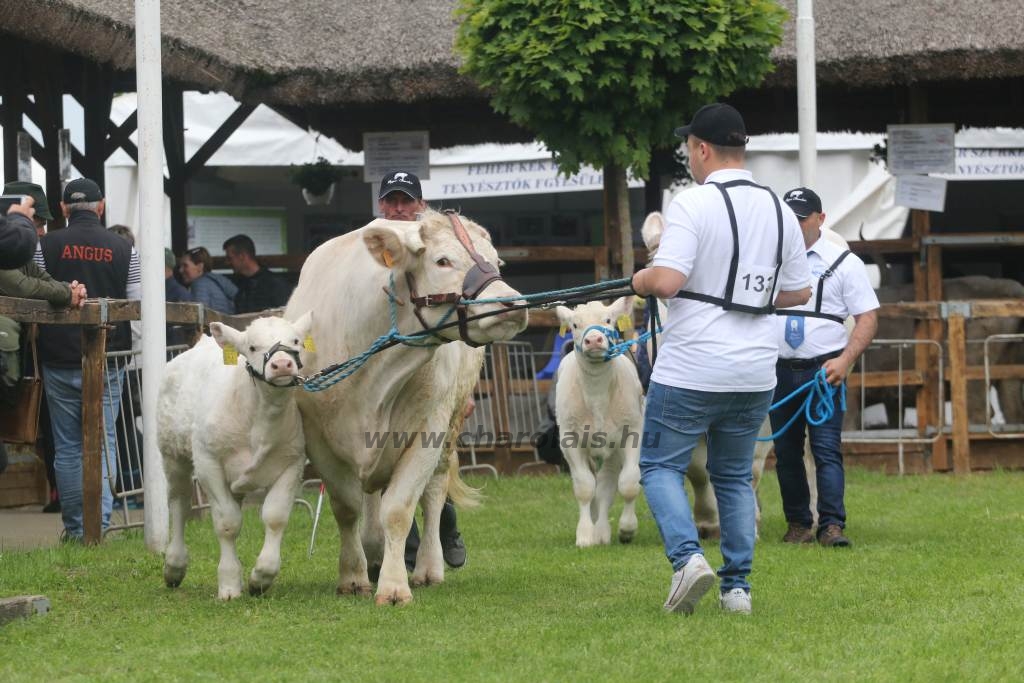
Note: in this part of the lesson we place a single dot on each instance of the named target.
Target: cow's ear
(226, 335)
(623, 306)
(385, 244)
(304, 324)
(654, 226)
(564, 315)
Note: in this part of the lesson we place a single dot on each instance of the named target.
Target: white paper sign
(921, 192)
(922, 148)
(405, 150)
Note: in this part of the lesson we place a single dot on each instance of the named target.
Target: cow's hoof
(374, 572)
(626, 535)
(426, 579)
(231, 593)
(355, 589)
(258, 589)
(396, 597)
(173, 576)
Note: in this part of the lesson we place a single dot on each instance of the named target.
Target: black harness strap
(816, 313)
(726, 302)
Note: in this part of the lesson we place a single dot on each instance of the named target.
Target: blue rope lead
(818, 406)
(553, 294)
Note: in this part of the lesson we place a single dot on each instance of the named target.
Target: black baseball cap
(400, 181)
(35, 192)
(719, 124)
(803, 201)
(82, 190)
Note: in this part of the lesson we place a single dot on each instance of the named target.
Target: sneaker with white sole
(689, 585)
(736, 601)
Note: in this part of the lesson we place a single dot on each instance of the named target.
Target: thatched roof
(339, 59)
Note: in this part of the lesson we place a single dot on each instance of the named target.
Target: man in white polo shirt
(811, 339)
(730, 254)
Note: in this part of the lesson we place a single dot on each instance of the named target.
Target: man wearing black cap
(811, 338)
(17, 235)
(109, 267)
(401, 199)
(729, 254)
(42, 214)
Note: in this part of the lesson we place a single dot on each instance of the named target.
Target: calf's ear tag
(562, 330)
(624, 322)
(308, 344)
(388, 258)
(230, 355)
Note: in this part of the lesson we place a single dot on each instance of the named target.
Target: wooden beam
(94, 366)
(22, 607)
(12, 89)
(98, 96)
(219, 137)
(119, 137)
(958, 395)
(174, 153)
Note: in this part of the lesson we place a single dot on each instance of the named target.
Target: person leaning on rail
(18, 236)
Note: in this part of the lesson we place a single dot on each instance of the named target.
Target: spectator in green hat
(39, 196)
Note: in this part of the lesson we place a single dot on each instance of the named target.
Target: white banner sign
(989, 164)
(399, 150)
(497, 179)
(921, 192)
(922, 148)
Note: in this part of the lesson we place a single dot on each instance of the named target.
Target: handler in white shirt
(734, 253)
(807, 343)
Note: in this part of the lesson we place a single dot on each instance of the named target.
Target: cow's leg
(429, 558)
(398, 504)
(346, 502)
(812, 480)
(583, 487)
(227, 523)
(277, 507)
(629, 488)
(372, 534)
(607, 477)
(761, 451)
(179, 499)
(705, 506)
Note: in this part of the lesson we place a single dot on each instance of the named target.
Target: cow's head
(594, 326)
(429, 262)
(270, 345)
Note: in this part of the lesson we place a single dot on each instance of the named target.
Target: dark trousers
(448, 528)
(826, 447)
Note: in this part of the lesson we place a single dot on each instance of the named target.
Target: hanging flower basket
(317, 180)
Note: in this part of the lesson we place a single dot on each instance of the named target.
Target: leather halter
(476, 280)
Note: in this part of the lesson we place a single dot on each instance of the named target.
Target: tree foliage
(605, 81)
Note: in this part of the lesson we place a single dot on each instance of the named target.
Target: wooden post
(501, 385)
(94, 366)
(958, 391)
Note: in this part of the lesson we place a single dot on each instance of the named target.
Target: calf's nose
(282, 364)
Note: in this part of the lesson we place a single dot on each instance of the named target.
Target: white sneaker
(689, 585)
(736, 601)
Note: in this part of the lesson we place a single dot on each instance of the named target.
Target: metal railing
(997, 338)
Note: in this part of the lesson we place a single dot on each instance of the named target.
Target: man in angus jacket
(109, 267)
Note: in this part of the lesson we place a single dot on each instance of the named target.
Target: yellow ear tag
(230, 355)
(562, 330)
(388, 260)
(624, 323)
(308, 344)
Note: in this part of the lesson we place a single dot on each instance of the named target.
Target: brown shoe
(798, 533)
(832, 536)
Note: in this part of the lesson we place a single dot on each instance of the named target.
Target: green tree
(603, 82)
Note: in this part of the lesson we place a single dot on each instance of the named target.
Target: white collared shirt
(705, 347)
(847, 292)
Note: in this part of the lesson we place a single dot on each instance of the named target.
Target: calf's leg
(277, 507)
(429, 558)
(629, 487)
(179, 500)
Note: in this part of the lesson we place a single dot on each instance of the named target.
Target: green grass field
(931, 591)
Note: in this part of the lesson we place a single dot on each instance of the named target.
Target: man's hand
(662, 282)
(78, 294)
(468, 409)
(836, 370)
(25, 208)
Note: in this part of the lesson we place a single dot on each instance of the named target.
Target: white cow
(599, 404)
(239, 433)
(354, 284)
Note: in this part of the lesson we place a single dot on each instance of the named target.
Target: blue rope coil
(818, 406)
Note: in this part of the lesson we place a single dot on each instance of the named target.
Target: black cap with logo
(82, 190)
(719, 124)
(803, 201)
(400, 181)
(35, 192)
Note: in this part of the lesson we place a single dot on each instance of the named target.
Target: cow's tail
(462, 494)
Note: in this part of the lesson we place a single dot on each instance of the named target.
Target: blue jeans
(826, 447)
(674, 419)
(64, 398)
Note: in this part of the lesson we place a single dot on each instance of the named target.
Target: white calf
(239, 427)
(599, 404)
